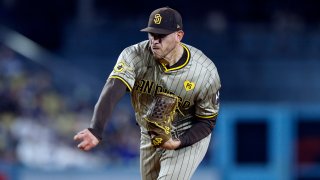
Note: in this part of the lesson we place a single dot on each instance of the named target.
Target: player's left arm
(199, 130)
(207, 108)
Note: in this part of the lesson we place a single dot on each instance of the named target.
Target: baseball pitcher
(174, 89)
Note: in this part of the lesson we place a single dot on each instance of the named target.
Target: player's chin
(157, 58)
(156, 54)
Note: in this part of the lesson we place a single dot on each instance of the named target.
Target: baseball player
(163, 64)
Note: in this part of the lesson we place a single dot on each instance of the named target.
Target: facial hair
(162, 58)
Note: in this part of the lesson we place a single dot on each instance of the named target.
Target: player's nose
(155, 40)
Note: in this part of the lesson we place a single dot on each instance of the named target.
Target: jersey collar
(183, 61)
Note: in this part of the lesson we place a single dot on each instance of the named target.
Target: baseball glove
(160, 116)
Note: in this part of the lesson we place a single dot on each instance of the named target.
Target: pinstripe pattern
(175, 164)
(149, 159)
(196, 82)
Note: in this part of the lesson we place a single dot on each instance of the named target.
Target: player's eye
(158, 36)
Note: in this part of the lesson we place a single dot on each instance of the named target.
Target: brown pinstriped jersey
(195, 81)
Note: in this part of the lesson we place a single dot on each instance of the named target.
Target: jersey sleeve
(124, 68)
(207, 105)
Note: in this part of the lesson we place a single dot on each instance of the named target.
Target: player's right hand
(87, 140)
(171, 144)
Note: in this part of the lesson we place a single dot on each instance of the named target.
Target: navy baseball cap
(164, 20)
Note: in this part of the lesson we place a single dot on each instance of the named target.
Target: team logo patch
(119, 67)
(189, 85)
(157, 19)
(157, 141)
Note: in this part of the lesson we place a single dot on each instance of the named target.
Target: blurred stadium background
(56, 55)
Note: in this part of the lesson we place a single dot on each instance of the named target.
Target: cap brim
(157, 30)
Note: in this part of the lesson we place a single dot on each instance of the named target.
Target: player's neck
(174, 56)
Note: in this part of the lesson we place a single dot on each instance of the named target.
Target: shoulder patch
(120, 67)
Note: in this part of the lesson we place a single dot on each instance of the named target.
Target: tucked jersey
(195, 81)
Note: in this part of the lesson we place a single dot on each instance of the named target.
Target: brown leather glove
(160, 116)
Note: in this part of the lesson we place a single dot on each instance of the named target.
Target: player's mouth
(155, 47)
(156, 50)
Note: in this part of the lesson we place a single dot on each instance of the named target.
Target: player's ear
(179, 35)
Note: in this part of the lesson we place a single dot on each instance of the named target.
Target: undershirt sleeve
(110, 95)
(199, 130)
